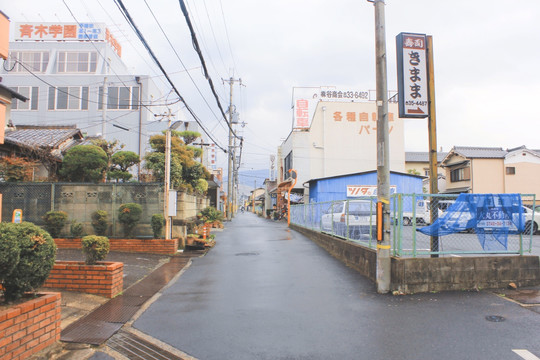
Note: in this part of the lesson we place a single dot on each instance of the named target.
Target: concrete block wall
(360, 258)
(415, 275)
(30, 327)
(105, 278)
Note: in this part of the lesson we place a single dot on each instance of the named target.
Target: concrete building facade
(64, 76)
(341, 139)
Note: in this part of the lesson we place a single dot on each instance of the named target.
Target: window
(35, 61)
(32, 93)
(68, 98)
(77, 61)
(510, 170)
(120, 98)
(461, 174)
(287, 165)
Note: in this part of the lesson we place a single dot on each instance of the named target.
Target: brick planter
(105, 278)
(151, 246)
(30, 327)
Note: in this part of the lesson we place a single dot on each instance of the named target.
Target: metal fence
(355, 220)
(79, 201)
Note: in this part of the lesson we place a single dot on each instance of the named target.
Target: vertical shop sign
(412, 75)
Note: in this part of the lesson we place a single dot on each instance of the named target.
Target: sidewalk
(89, 320)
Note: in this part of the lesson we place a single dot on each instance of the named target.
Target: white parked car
(355, 219)
(529, 221)
(422, 214)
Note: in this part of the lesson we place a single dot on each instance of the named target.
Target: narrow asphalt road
(267, 292)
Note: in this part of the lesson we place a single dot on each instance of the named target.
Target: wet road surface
(267, 292)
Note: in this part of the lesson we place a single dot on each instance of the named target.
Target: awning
(459, 190)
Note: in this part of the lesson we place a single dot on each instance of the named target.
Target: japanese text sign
(301, 113)
(47, 31)
(412, 75)
(366, 190)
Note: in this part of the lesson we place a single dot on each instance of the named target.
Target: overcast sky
(487, 71)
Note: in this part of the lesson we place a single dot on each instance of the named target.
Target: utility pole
(432, 129)
(383, 150)
(231, 152)
(167, 177)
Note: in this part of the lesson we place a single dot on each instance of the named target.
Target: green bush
(95, 248)
(76, 229)
(26, 264)
(129, 216)
(157, 221)
(211, 214)
(55, 221)
(100, 222)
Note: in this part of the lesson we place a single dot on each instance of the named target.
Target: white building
(340, 139)
(62, 68)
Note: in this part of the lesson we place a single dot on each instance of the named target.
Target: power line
(201, 58)
(126, 15)
(178, 57)
(227, 33)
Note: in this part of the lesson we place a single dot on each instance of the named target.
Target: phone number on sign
(417, 103)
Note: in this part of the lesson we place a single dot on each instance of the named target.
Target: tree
(84, 163)
(110, 148)
(187, 136)
(121, 161)
(185, 171)
(16, 169)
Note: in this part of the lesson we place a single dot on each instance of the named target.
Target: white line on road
(525, 354)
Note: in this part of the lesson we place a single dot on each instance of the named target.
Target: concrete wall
(414, 275)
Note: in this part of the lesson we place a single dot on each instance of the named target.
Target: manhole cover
(494, 318)
(247, 254)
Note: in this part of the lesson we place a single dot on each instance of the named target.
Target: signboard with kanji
(366, 190)
(412, 75)
(47, 31)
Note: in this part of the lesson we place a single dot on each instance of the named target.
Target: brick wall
(105, 278)
(152, 246)
(30, 327)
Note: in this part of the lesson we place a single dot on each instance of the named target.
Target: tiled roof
(480, 152)
(422, 156)
(57, 139)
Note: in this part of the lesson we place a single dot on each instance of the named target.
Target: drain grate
(93, 332)
(247, 254)
(495, 318)
(135, 348)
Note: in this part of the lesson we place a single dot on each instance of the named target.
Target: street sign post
(412, 75)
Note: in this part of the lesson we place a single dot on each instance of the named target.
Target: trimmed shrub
(211, 214)
(36, 255)
(100, 222)
(76, 229)
(129, 216)
(55, 221)
(95, 248)
(157, 221)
